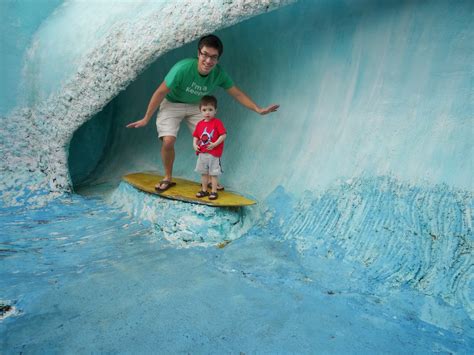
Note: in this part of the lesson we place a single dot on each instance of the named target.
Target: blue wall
(19, 20)
(363, 180)
(366, 89)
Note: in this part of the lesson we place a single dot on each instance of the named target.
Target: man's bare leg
(167, 156)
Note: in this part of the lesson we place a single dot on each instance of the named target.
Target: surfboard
(185, 190)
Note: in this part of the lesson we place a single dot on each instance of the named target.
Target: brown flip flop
(167, 184)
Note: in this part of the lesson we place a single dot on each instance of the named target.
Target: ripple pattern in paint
(404, 235)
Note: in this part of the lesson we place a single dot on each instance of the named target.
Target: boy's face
(207, 59)
(208, 111)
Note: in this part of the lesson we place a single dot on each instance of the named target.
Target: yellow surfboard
(185, 190)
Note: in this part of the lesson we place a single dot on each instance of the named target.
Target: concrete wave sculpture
(363, 231)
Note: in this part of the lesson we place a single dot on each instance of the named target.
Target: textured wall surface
(372, 143)
(19, 21)
(111, 58)
(366, 89)
(362, 239)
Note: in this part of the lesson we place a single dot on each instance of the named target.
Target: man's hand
(196, 147)
(154, 103)
(269, 109)
(211, 146)
(246, 101)
(138, 124)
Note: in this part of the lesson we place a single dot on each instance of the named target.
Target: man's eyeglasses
(213, 58)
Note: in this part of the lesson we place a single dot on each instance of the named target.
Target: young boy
(208, 142)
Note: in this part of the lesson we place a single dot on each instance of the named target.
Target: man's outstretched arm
(246, 101)
(155, 101)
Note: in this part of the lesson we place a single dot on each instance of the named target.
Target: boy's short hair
(208, 100)
(211, 41)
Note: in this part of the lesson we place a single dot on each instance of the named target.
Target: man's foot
(219, 187)
(213, 196)
(202, 194)
(164, 185)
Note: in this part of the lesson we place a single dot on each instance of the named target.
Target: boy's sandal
(167, 184)
(202, 194)
(213, 196)
(219, 187)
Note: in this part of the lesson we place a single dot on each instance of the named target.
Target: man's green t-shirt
(188, 86)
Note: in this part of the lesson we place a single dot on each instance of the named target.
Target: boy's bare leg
(219, 186)
(167, 156)
(214, 182)
(204, 182)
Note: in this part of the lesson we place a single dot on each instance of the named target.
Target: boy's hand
(137, 124)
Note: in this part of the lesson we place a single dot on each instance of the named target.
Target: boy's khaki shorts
(208, 164)
(171, 114)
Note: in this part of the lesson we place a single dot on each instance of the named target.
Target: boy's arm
(155, 101)
(217, 142)
(195, 145)
(246, 101)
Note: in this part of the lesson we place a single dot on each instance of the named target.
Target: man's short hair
(208, 100)
(211, 41)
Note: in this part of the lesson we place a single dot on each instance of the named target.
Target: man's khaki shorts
(171, 114)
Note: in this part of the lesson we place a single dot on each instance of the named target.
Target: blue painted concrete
(362, 239)
(85, 277)
(367, 88)
(19, 20)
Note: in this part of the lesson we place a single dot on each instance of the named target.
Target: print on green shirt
(188, 86)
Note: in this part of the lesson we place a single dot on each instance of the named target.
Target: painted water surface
(362, 238)
(83, 276)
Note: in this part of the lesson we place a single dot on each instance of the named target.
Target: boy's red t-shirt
(207, 132)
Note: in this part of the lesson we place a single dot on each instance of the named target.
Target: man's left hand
(269, 109)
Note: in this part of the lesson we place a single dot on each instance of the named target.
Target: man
(179, 94)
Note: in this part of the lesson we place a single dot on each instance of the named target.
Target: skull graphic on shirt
(205, 138)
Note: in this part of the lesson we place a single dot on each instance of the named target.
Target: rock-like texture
(182, 224)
